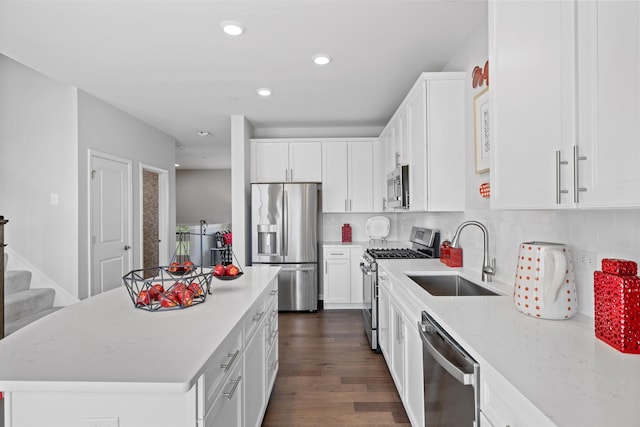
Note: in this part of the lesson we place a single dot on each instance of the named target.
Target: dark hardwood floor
(328, 375)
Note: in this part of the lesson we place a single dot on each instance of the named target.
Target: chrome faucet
(488, 265)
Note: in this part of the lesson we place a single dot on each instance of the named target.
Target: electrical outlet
(100, 422)
(587, 259)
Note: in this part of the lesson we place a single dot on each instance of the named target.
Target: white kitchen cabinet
(532, 93)
(502, 405)
(227, 406)
(286, 161)
(342, 278)
(608, 40)
(401, 346)
(337, 275)
(255, 400)
(347, 176)
(384, 319)
(379, 177)
(427, 133)
(573, 143)
(398, 329)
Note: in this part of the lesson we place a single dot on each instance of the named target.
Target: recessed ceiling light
(232, 28)
(321, 59)
(205, 133)
(264, 91)
(177, 165)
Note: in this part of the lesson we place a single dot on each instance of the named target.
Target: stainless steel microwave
(398, 187)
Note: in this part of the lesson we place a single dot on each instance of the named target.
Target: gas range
(396, 253)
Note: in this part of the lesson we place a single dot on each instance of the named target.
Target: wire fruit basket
(159, 289)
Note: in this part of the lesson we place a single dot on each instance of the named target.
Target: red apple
(232, 270)
(196, 289)
(219, 270)
(143, 298)
(155, 290)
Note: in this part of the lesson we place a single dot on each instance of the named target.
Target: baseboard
(39, 279)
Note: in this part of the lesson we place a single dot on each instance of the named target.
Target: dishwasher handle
(427, 329)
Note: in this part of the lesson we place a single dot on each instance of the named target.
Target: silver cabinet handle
(576, 176)
(559, 190)
(346, 209)
(230, 363)
(350, 208)
(274, 365)
(273, 292)
(325, 267)
(273, 337)
(236, 383)
(257, 316)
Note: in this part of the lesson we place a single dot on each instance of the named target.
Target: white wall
(203, 194)
(38, 158)
(104, 128)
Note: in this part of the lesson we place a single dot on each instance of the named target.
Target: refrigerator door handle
(299, 268)
(285, 220)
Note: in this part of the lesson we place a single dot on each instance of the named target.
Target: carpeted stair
(22, 304)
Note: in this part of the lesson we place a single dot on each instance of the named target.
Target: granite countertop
(558, 365)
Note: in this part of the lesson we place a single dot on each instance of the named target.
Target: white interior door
(110, 222)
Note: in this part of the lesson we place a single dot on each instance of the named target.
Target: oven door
(370, 303)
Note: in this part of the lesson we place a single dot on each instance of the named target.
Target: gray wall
(203, 194)
(38, 159)
(106, 129)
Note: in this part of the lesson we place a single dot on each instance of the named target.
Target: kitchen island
(103, 362)
(533, 372)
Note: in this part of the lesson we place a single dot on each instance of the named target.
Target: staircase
(22, 304)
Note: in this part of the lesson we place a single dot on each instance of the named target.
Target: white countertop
(558, 365)
(105, 344)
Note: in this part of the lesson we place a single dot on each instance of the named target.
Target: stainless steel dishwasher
(450, 379)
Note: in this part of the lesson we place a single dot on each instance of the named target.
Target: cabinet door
(255, 378)
(227, 408)
(413, 379)
(304, 164)
(360, 177)
(384, 320)
(337, 280)
(356, 275)
(397, 342)
(379, 177)
(334, 177)
(271, 162)
(417, 146)
(533, 99)
(609, 96)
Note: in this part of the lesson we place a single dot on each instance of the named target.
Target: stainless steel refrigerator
(284, 220)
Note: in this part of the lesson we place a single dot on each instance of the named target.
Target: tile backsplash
(591, 235)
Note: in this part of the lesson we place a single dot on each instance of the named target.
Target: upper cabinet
(565, 104)
(427, 132)
(286, 161)
(608, 103)
(347, 176)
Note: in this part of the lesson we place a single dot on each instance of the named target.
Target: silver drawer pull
(236, 383)
(257, 316)
(274, 313)
(273, 337)
(230, 364)
(273, 292)
(274, 365)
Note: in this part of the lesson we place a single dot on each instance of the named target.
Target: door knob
(127, 247)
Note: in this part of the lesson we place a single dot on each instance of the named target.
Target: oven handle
(425, 328)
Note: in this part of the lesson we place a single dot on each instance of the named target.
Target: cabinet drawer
(253, 319)
(272, 294)
(336, 253)
(226, 358)
(272, 365)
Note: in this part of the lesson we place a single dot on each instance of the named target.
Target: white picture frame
(482, 131)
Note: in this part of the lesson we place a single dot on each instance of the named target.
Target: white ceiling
(169, 64)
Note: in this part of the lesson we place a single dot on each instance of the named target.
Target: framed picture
(481, 130)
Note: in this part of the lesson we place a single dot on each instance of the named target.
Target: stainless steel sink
(450, 286)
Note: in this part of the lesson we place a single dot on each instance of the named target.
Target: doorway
(154, 213)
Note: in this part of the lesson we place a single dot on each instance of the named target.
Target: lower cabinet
(401, 346)
(234, 389)
(342, 278)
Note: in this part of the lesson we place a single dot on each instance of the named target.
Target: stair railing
(2, 245)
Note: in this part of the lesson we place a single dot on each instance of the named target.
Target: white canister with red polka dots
(544, 285)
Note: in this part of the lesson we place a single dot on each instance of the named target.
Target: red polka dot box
(617, 305)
